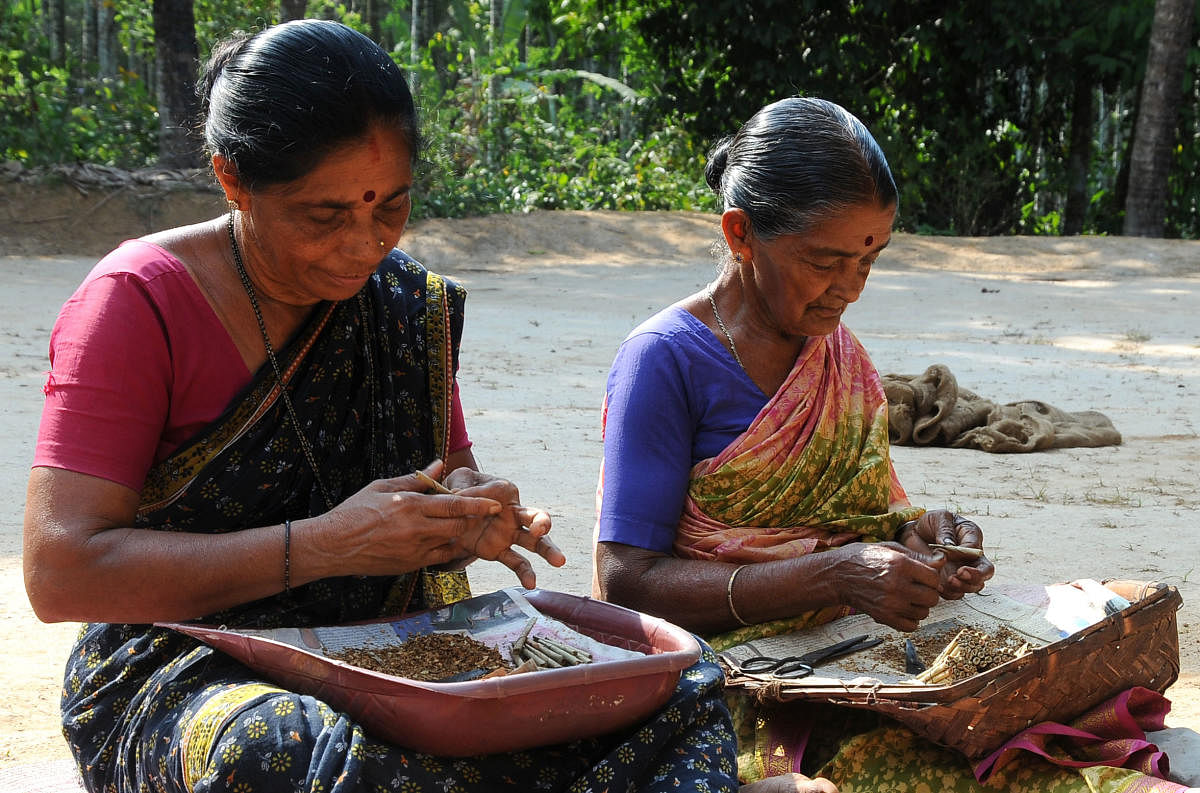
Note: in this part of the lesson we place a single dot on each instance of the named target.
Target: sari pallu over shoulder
(812, 471)
(371, 380)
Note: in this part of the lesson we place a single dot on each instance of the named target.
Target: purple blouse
(675, 397)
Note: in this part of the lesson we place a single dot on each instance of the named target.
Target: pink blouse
(139, 364)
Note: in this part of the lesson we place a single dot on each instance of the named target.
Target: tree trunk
(1079, 158)
(107, 50)
(415, 43)
(1158, 113)
(292, 9)
(176, 56)
(55, 21)
(370, 16)
(495, 20)
(87, 48)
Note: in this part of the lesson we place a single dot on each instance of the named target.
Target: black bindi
(868, 240)
(369, 196)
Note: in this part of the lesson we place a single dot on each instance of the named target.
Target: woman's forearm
(695, 594)
(84, 562)
(143, 575)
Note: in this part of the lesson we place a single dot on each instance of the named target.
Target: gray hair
(796, 163)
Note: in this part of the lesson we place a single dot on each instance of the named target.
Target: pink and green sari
(813, 472)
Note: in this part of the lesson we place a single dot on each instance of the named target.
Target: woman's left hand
(516, 525)
(960, 574)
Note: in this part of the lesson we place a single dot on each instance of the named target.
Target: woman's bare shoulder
(193, 243)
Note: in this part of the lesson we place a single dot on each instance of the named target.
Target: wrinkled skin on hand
(895, 585)
(959, 575)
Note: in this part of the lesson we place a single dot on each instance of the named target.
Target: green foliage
(556, 136)
(51, 114)
(972, 103)
(544, 166)
(600, 104)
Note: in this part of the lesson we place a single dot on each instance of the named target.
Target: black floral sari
(147, 709)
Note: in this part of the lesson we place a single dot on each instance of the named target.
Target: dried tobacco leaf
(429, 657)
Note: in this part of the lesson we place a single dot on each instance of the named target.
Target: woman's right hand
(893, 584)
(393, 526)
(960, 574)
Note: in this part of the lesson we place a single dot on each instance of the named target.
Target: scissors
(797, 666)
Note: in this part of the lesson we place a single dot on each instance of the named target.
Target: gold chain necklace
(287, 400)
(725, 330)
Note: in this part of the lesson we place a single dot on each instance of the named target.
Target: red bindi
(369, 196)
(868, 240)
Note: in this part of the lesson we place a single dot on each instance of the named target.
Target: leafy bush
(48, 117)
(552, 139)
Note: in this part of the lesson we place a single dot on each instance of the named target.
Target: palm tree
(1158, 113)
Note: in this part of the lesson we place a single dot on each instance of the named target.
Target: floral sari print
(148, 709)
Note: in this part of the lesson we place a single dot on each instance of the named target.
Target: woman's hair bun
(223, 52)
(718, 158)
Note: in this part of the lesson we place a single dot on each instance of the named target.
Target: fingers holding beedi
(536, 521)
(972, 570)
(441, 502)
(968, 578)
(967, 532)
(422, 481)
(936, 526)
(456, 505)
(476, 483)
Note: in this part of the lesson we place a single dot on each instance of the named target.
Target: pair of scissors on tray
(793, 667)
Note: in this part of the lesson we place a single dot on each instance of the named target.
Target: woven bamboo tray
(1138, 646)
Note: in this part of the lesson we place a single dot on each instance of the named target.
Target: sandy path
(1104, 324)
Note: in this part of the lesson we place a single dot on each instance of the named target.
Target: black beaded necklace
(283, 392)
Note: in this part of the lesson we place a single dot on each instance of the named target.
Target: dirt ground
(1083, 323)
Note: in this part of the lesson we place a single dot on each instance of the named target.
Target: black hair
(795, 163)
(276, 102)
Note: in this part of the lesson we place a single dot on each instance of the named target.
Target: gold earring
(737, 257)
(233, 205)
(382, 244)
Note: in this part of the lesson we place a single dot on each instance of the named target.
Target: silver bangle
(729, 594)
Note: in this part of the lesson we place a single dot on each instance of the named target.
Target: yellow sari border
(441, 364)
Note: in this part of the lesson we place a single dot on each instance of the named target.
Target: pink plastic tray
(500, 714)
